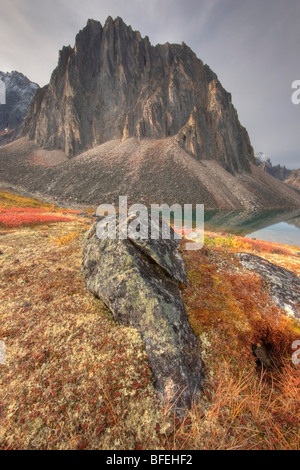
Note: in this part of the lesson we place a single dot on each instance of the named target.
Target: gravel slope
(147, 171)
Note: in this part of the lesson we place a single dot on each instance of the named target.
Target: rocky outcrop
(138, 281)
(19, 94)
(113, 84)
(283, 284)
(293, 179)
(278, 171)
(290, 177)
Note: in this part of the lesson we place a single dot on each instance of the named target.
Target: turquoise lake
(276, 226)
(273, 226)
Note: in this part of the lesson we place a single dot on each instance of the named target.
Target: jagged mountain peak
(19, 92)
(18, 78)
(115, 85)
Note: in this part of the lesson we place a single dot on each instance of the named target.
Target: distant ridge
(19, 94)
(290, 177)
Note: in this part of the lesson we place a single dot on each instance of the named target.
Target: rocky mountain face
(283, 285)
(280, 172)
(294, 179)
(19, 94)
(290, 177)
(113, 84)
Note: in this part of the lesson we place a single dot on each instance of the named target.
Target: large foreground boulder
(138, 281)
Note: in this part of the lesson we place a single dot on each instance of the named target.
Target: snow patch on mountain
(262, 158)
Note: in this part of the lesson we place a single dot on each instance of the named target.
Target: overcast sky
(252, 45)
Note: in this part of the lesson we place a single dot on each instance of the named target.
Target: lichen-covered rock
(138, 282)
(283, 284)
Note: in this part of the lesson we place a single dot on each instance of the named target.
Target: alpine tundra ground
(74, 379)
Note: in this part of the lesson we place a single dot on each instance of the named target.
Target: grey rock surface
(139, 285)
(19, 94)
(293, 179)
(113, 84)
(290, 177)
(283, 284)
